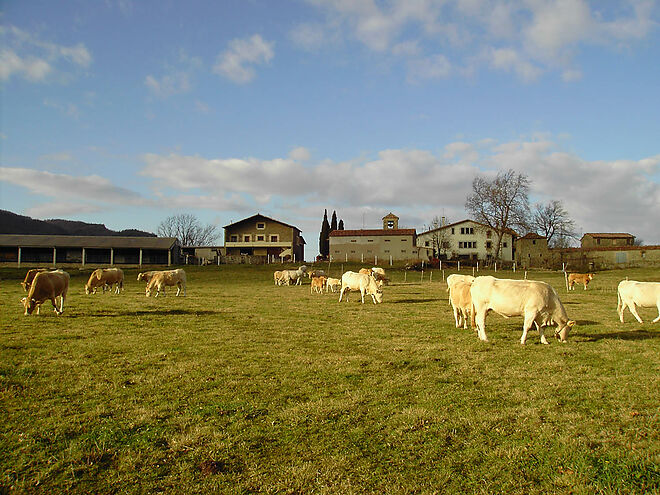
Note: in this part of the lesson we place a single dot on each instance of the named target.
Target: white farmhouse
(467, 239)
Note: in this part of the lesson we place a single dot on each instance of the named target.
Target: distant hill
(11, 223)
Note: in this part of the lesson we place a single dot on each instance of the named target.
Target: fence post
(376, 260)
(422, 279)
(473, 271)
(405, 276)
(459, 266)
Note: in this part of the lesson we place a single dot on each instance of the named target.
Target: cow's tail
(473, 315)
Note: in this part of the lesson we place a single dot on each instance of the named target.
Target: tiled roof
(372, 232)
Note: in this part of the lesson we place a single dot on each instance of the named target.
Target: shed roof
(372, 232)
(91, 241)
(609, 235)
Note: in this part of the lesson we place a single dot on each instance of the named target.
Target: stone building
(264, 237)
(607, 240)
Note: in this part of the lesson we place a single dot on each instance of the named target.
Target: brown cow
(159, 280)
(47, 285)
(582, 278)
(29, 277)
(106, 278)
(317, 284)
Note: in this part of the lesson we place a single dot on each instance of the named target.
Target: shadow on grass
(619, 335)
(414, 301)
(154, 312)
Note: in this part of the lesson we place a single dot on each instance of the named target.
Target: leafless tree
(501, 203)
(439, 237)
(188, 230)
(552, 221)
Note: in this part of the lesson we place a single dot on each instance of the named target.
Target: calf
(331, 283)
(536, 301)
(45, 286)
(317, 284)
(582, 278)
(643, 294)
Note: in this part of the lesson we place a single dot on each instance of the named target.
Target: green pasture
(245, 387)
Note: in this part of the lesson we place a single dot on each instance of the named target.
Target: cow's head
(561, 333)
(29, 305)
(87, 289)
(140, 276)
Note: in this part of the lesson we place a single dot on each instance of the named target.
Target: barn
(97, 250)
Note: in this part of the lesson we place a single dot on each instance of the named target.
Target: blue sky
(124, 112)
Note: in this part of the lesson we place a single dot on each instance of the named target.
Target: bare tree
(501, 203)
(551, 220)
(439, 236)
(188, 230)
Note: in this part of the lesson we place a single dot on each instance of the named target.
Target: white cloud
(527, 38)
(177, 78)
(26, 56)
(89, 188)
(237, 62)
(600, 195)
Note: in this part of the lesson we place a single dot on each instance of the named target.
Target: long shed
(111, 250)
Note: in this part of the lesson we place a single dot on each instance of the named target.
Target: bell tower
(390, 222)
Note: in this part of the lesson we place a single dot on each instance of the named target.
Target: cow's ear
(570, 323)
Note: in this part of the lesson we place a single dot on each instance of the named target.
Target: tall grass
(245, 387)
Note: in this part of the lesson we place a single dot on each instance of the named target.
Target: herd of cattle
(44, 285)
(474, 297)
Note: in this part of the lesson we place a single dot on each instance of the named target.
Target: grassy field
(245, 387)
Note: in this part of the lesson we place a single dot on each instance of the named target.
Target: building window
(233, 238)
(404, 240)
(504, 244)
(534, 242)
(353, 240)
(387, 250)
(387, 240)
(260, 238)
(370, 240)
(261, 225)
(403, 251)
(489, 245)
(275, 238)
(466, 230)
(452, 231)
(390, 224)
(352, 252)
(246, 238)
(427, 243)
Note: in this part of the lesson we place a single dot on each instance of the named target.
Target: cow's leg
(457, 318)
(54, 301)
(481, 325)
(620, 307)
(633, 310)
(341, 293)
(362, 294)
(527, 324)
(658, 318)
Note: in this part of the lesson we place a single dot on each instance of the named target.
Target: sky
(125, 112)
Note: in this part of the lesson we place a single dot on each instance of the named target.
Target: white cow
(643, 294)
(536, 301)
(332, 283)
(461, 302)
(456, 278)
(366, 284)
(294, 275)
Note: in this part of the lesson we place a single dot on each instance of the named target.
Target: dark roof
(87, 241)
(532, 235)
(372, 232)
(261, 216)
(508, 231)
(610, 235)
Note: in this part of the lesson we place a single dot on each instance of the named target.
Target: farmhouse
(615, 251)
(372, 245)
(264, 237)
(110, 250)
(607, 240)
(467, 239)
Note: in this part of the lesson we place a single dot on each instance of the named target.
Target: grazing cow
(317, 284)
(294, 275)
(45, 286)
(145, 276)
(279, 277)
(331, 283)
(366, 284)
(106, 278)
(581, 278)
(316, 273)
(29, 277)
(160, 280)
(643, 294)
(461, 302)
(378, 274)
(536, 301)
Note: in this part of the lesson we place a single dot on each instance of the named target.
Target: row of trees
(503, 203)
(326, 228)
